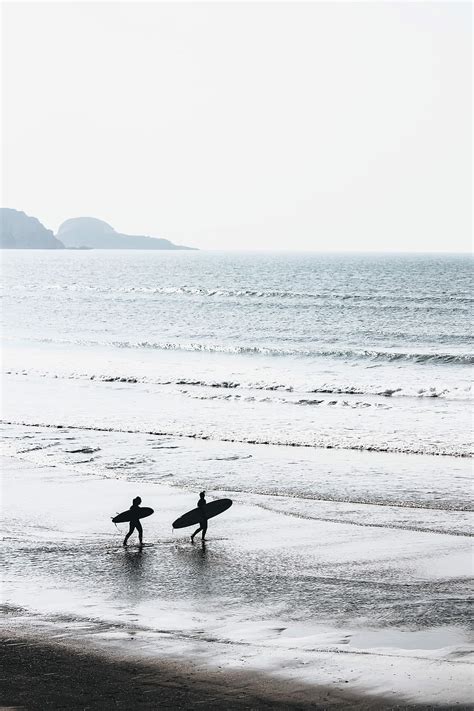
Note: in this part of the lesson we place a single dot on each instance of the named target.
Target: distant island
(19, 231)
(90, 232)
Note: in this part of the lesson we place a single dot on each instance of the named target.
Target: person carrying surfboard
(134, 521)
(203, 518)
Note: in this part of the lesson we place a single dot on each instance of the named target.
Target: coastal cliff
(20, 231)
(91, 232)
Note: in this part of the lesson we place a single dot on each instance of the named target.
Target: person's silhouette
(202, 516)
(134, 521)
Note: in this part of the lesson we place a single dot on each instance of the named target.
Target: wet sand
(373, 616)
(42, 675)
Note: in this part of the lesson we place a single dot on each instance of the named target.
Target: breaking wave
(316, 444)
(348, 354)
(461, 393)
(248, 292)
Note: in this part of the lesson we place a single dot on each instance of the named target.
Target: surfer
(203, 519)
(134, 521)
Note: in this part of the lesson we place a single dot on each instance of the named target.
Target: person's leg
(139, 528)
(204, 530)
(130, 531)
(196, 532)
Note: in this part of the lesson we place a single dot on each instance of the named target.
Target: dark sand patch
(42, 675)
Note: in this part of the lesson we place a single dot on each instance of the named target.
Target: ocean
(329, 395)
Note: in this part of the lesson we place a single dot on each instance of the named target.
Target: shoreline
(46, 674)
(236, 441)
(252, 620)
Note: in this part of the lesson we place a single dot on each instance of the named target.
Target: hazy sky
(323, 125)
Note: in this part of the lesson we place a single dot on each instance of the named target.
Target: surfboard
(143, 512)
(213, 508)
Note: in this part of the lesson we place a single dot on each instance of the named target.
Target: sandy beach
(320, 615)
(39, 674)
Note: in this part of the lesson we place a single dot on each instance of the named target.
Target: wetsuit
(203, 519)
(134, 524)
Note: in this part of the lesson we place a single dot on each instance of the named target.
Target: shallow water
(282, 581)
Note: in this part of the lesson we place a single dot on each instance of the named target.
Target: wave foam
(321, 444)
(461, 393)
(446, 300)
(348, 354)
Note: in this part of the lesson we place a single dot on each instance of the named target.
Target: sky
(313, 126)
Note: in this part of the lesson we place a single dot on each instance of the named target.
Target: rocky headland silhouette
(20, 231)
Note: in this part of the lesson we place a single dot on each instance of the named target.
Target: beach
(39, 676)
(341, 574)
(269, 593)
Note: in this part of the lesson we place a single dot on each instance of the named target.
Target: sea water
(327, 395)
(368, 352)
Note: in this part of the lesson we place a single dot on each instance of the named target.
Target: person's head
(137, 501)
(202, 494)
